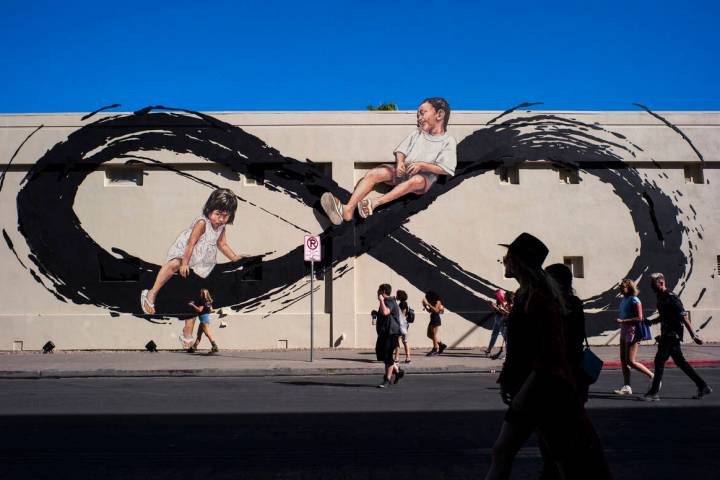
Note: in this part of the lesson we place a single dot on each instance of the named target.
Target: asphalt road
(339, 427)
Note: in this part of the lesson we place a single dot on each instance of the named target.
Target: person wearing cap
(536, 381)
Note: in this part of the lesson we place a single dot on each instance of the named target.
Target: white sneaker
(625, 390)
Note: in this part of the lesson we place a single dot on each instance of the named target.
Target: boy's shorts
(204, 318)
(430, 178)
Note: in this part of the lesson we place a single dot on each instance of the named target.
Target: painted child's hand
(400, 168)
(414, 168)
(184, 270)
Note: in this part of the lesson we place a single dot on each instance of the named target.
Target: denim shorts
(204, 318)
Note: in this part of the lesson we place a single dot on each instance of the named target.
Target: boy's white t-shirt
(440, 150)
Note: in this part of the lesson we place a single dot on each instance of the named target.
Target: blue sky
(334, 55)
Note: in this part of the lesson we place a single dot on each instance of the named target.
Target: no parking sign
(312, 248)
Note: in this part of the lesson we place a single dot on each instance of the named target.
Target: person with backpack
(388, 330)
(409, 316)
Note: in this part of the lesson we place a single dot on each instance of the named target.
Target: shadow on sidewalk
(355, 360)
(307, 383)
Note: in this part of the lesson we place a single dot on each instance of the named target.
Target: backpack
(410, 317)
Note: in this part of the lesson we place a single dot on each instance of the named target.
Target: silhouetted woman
(536, 381)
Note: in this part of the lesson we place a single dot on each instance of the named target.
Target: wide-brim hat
(528, 249)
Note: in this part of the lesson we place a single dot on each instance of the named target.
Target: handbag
(590, 364)
(642, 331)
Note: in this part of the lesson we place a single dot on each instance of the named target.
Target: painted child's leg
(166, 272)
(365, 186)
(188, 328)
(413, 184)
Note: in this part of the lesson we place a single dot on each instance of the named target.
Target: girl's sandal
(185, 342)
(332, 207)
(365, 208)
(145, 303)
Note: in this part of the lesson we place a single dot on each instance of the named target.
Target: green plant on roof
(383, 107)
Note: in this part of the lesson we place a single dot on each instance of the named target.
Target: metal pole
(312, 278)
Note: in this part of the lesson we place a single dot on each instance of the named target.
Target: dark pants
(670, 347)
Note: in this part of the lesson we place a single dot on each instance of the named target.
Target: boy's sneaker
(625, 390)
(385, 383)
(398, 376)
(702, 392)
(214, 348)
(191, 350)
(431, 353)
(442, 348)
(651, 397)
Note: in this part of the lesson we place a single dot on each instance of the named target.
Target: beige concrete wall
(466, 225)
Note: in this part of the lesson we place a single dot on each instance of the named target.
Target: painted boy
(421, 157)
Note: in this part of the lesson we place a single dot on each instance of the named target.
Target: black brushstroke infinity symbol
(71, 261)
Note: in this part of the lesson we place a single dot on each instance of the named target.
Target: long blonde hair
(630, 285)
(205, 295)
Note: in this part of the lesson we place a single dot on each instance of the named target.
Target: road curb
(282, 371)
(273, 372)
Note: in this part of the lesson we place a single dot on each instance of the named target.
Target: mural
(66, 260)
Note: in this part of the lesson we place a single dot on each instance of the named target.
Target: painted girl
(196, 248)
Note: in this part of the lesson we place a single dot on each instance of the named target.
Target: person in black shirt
(537, 381)
(672, 317)
(574, 324)
(387, 327)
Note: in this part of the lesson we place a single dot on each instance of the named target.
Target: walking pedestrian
(204, 309)
(536, 380)
(409, 315)
(387, 327)
(630, 314)
(500, 307)
(574, 325)
(672, 318)
(432, 303)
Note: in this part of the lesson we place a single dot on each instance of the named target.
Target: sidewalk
(240, 363)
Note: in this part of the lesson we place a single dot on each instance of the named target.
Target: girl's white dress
(204, 255)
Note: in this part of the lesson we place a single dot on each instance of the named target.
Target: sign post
(312, 254)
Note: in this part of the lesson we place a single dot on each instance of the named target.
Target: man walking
(672, 318)
(388, 330)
